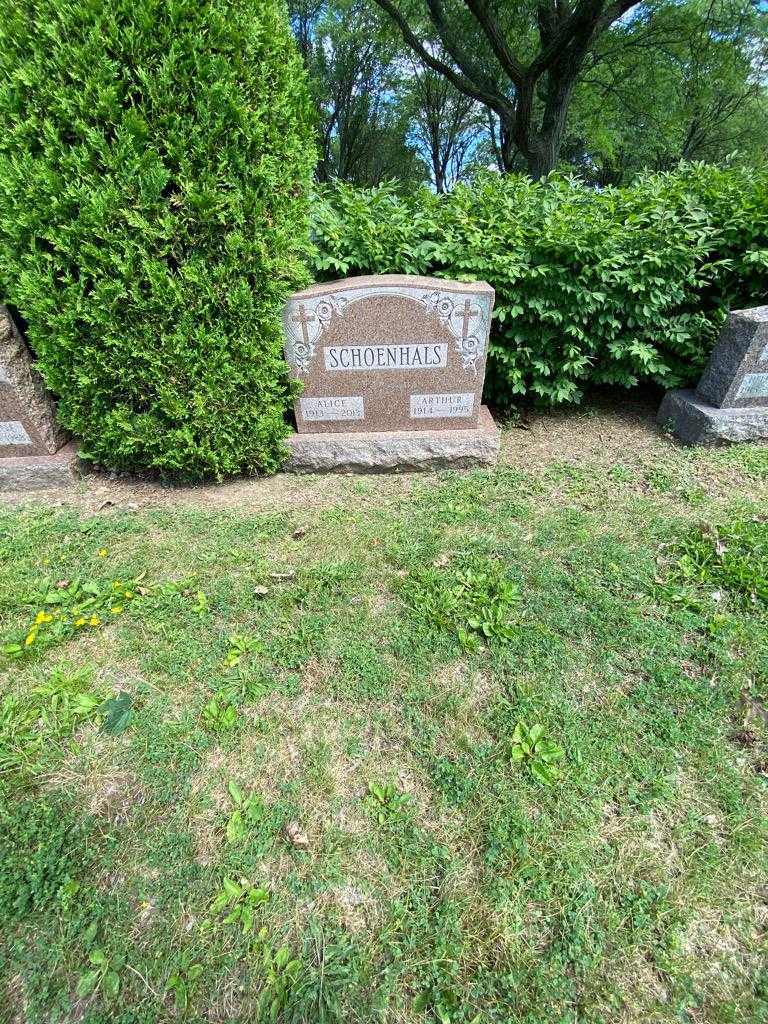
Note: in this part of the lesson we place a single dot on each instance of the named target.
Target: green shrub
(42, 851)
(592, 287)
(154, 161)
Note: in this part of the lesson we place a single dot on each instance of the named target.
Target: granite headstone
(33, 449)
(730, 402)
(390, 366)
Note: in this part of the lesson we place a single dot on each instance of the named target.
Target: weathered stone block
(696, 422)
(27, 415)
(736, 375)
(403, 450)
(40, 472)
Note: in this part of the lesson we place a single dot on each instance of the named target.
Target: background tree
(447, 125)
(353, 60)
(667, 80)
(680, 81)
(520, 60)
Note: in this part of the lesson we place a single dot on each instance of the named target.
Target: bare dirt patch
(606, 429)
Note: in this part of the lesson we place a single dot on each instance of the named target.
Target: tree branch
(462, 82)
(471, 70)
(482, 14)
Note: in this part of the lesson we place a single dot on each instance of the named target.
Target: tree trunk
(543, 156)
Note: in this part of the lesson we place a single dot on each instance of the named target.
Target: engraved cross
(466, 315)
(303, 320)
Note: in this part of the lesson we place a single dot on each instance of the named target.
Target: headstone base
(39, 472)
(396, 451)
(695, 422)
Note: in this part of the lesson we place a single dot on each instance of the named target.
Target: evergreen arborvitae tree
(155, 157)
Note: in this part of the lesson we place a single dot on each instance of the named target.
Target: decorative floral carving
(457, 316)
(465, 316)
(304, 322)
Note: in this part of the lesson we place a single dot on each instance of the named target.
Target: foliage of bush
(592, 287)
(42, 849)
(154, 162)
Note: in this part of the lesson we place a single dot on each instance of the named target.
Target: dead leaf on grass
(297, 838)
(299, 532)
(261, 591)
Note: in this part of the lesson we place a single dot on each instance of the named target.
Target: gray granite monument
(33, 448)
(392, 371)
(730, 402)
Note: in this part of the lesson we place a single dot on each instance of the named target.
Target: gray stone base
(39, 472)
(402, 450)
(693, 421)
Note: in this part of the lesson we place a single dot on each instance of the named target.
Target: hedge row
(592, 287)
(155, 160)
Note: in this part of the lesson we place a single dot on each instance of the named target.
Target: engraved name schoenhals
(385, 357)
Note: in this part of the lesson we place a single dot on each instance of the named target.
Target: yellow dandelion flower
(43, 617)
(116, 610)
(128, 594)
(94, 621)
(30, 637)
(117, 584)
(79, 622)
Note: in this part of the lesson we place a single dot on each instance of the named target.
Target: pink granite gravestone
(33, 449)
(392, 369)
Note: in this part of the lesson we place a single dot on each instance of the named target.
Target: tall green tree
(680, 81)
(353, 60)
(520, 60)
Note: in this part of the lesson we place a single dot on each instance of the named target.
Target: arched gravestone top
(736, 375)
(389, 352)
(27, 415)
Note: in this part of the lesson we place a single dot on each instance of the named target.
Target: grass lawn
(462, 748)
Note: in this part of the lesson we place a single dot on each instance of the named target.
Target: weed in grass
(182, 983)
(621, 473)
(536, 751)
(732, 556)
(451, 776)
(241, 900)
(118, 714)
(43, 853)
(248, 812)
(33, 725)
(72, 607)
(239, 647)
(102, 972)
(478, 604)
(219, 714)
(279, 972)
(386, 801)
